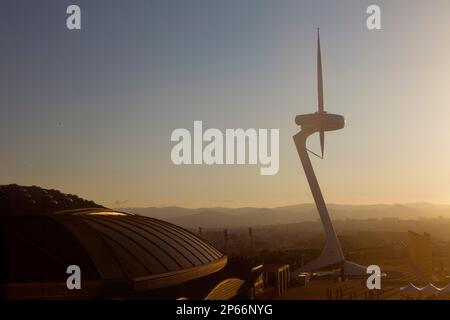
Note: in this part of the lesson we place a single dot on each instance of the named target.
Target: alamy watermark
(74, 280)
(373, 21)
(236, 146)
(374, 280)
(73, 20)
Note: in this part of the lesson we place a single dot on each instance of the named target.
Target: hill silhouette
(221, 217)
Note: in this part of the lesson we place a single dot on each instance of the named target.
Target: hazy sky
(91, 112)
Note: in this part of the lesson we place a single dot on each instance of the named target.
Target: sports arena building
(120, 255)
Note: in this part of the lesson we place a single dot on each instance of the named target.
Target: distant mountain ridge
(221, 217)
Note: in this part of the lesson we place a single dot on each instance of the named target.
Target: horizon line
(283, 206)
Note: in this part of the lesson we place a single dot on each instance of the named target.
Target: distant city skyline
(91, 112)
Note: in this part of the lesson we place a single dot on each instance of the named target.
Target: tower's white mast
(322, 121)
(320, 90)
(319, 74)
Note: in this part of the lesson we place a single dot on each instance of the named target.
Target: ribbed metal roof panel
(63, 229)
(149, 246)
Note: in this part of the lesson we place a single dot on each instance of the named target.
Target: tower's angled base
(344, 268)
(354, 269)
(332, 258)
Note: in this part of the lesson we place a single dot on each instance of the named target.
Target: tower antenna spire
(319, 74)
(320, 90)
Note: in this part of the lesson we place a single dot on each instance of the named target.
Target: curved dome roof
(109, 246)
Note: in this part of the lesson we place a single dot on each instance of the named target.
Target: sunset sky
(91, 112)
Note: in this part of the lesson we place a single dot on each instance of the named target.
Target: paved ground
(353, 289)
